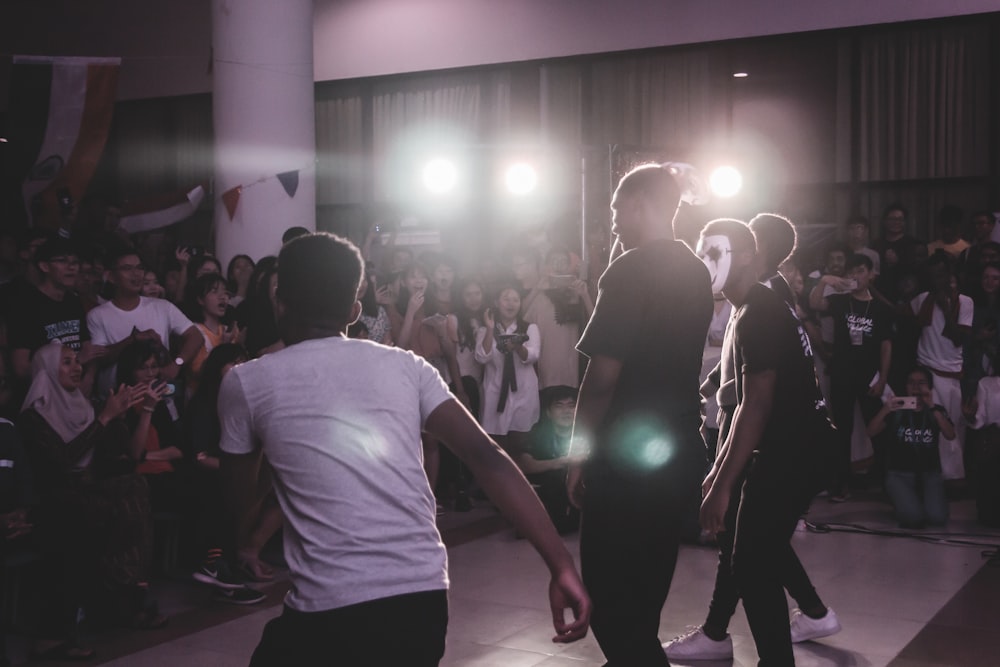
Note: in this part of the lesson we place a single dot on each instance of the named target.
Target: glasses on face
(68, 261)
(130, 268)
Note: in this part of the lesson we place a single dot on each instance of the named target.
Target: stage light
(440, 176)
(740, 75)
(725, 182)
(521, 178)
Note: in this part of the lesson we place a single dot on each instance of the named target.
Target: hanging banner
(289, 181)
(231, 198)
(158, 212)
(58, 121)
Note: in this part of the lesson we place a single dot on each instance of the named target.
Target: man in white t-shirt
(339, 421)
(129, 316)
(945, 317)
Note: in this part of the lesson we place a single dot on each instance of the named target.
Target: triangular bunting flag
(231, 198)
(289, 181)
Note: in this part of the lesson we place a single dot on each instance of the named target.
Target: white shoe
(805, 628)
(696, 645)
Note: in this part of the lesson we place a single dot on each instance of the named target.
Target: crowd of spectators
(110, 368)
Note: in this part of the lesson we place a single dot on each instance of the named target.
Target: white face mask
(717, 254)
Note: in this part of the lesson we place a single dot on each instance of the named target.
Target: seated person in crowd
(949, 233)
(129, 317)
(913, 478)
(546, 458)
(96, 505)
(154, 427)
(50, 310)
(214, 532)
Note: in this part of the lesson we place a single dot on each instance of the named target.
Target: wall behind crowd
(828, 124)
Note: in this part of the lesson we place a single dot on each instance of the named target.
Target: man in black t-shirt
(860, 359)
(50, 311)
(776, 439)
(637, 417)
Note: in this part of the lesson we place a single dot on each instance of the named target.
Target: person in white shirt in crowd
(129, 316)
(945, 318)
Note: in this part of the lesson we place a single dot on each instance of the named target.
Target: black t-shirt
(653, 309)
(768, 336)
(859, 328)
(913, 441)
(37, 320)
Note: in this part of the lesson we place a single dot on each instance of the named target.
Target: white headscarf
(69, 413)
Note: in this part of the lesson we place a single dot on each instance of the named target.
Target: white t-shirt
(109, 324)
(339, 421)
(934, 350)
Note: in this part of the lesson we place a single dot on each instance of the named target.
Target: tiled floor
(901, 602)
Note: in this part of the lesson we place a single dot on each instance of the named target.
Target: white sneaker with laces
(696, 645)
(805, 628)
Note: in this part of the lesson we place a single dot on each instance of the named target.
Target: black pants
(845, 389)
(399, 630)
(726, 595)
(774, 496)
(629, 540)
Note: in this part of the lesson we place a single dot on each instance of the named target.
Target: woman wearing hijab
(95, 504)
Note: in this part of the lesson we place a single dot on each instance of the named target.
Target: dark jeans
(726, 595)
(774, 496)
(629, 540)
(399, 630)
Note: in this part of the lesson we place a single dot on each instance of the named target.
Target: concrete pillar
(264, 119)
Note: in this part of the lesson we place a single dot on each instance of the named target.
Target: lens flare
(440, 176)
(725, 182)
(521, 178)
(642, 445)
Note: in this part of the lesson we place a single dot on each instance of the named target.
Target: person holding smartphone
(913, 477)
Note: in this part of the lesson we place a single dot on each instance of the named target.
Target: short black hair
(116, 252)
(896, 206)
(55, 246)
(655, 182)
(776, 235)
(318, 279)
(859, 259)
(737, 231)
(293, 233)
(858, 220)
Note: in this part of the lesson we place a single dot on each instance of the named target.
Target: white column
(263, 114)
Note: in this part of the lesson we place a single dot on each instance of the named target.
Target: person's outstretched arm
(504, 484)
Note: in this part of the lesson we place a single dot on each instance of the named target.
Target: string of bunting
(289, 181)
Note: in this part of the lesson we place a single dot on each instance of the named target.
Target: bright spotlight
(440, 176)
(725, 182)
(521, 178)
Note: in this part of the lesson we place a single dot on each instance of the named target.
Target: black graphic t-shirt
(768, 336)
(859, 327)
(37, 320)
(913, 441)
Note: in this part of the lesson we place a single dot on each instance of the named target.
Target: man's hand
(574, 486)
(713, 509)
(877, 388)
(566, 591)
(147, 335)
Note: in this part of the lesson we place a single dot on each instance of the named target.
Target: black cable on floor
(992, 554)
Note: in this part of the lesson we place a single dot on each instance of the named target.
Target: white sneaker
(696, 645)
(805, 628)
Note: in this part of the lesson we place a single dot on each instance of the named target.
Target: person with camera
(508, 348)
(913, 425)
